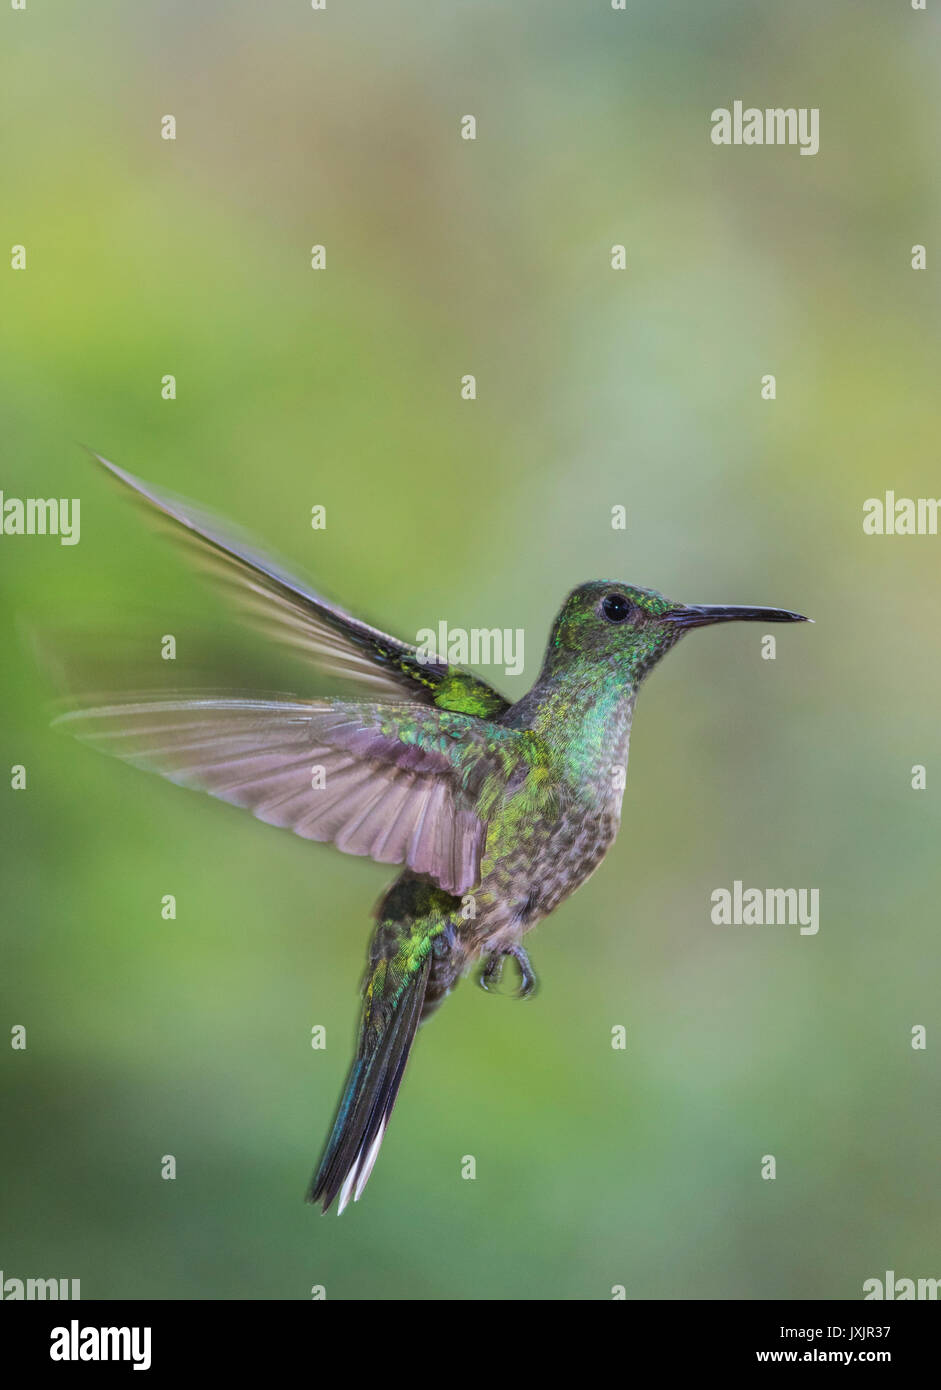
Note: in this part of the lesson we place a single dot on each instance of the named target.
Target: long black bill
(702, 614)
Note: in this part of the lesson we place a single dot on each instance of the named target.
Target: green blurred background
(192, 1037)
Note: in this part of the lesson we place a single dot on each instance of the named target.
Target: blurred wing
(396, 782)
(286, 608)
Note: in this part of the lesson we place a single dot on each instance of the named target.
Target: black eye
(615, 607)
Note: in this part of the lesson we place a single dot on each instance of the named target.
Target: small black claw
(489, 977)
(528, 981)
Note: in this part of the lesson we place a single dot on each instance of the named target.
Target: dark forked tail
(370, 1092)
(404, 956)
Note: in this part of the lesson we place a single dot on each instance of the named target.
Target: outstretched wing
(287, 608)
(400, 782)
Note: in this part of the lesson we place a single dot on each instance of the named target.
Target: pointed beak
(704, 614)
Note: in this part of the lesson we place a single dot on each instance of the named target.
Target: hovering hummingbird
(497, 811)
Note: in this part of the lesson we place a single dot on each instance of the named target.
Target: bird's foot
(489, 977)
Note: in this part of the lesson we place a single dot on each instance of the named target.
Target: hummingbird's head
(630, 629)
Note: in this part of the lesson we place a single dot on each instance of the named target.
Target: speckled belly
(525, 885)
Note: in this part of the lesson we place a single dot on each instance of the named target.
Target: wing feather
(388, 781)
(287, 608)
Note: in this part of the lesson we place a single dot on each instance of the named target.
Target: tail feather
(389, 1027)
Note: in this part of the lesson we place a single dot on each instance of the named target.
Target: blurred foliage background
(192, 1037)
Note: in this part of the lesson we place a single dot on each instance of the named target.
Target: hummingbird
(496, 810)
